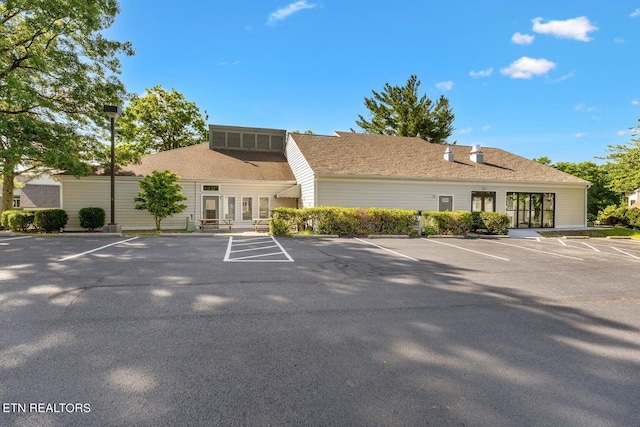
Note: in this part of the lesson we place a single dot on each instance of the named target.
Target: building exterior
(362, 170)
(35, 192)
(634, 198)
(242, 173)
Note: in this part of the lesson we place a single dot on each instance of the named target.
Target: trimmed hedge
(343, 221)
(91, 218)
(50, 219)
(491, 222)
(457, 223)
(17, 220)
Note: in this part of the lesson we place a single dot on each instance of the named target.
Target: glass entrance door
(531, 210)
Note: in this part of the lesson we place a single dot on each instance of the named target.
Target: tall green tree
(160, 194)
(161, 120)
(56, 72)
(400, 111)
(624, 164)
(599, 195)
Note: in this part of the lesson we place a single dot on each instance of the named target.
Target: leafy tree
(544, 160)
(161, 120)
(160, 194)
(599, 195)
(624, 165)
(398, 110)
(56, 72)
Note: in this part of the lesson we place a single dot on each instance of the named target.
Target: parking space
(291, 329)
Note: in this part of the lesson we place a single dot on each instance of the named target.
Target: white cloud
(465, 131)
(576, 28)
(518, 38)
(635, 102)
(623, 132)
(618, 40)
(486, 128)
(224, 63)
(444, 86)
(635, 13)
(525, 68)
(481, 73)
(286, 11)
(580, 135)
(565, 77)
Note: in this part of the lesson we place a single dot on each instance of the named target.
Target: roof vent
(448, 154)
(476, 154)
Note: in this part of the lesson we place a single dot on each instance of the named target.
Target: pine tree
(398, 110)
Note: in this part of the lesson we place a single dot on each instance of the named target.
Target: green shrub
(614, 215)
(279, 227)
(633, 218)
(4, 218)
(491, 222)
(92, 218)
(348, 221)
(17, 220)
(50, 219)
(456, 223)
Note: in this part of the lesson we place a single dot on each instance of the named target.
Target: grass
(594, 232)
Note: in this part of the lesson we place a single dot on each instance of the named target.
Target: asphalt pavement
(258, 331)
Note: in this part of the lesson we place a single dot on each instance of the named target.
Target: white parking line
(15, 238)
(466, 249)
(561, 241)
(252, 258)
(536, 250)
(385, 249)
(589, 246)
(626, 253)
(96, 249)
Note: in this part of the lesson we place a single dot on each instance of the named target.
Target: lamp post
(113, 112)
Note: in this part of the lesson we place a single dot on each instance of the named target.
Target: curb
(575, 237)
(7, 234)
(446, 236)
(98, 234)
(619, 237)
(391, 236)
(313, 236)
(489, 236)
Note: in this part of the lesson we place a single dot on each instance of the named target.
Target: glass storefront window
(531, 210)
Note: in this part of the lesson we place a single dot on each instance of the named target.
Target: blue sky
(535, 77)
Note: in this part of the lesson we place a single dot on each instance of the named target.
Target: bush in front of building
(50, 220)
(91, 218)
(17, 220)
(345, 221)
(457, 223)
(490, 222)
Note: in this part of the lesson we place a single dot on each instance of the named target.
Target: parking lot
(257, 330)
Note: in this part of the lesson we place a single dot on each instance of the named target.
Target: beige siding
(423, 195)
(303, 173)
(95, 191)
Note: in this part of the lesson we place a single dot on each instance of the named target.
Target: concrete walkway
(523, 233)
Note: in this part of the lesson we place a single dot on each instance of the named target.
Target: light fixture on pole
(113, 112)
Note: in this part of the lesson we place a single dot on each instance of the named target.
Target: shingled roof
(392, 156)
(200, 162)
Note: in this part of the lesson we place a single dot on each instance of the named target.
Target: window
(231, 208)
(264, 207)
(531, 210)
(483, 201)
(247, 208)
(16, 202)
